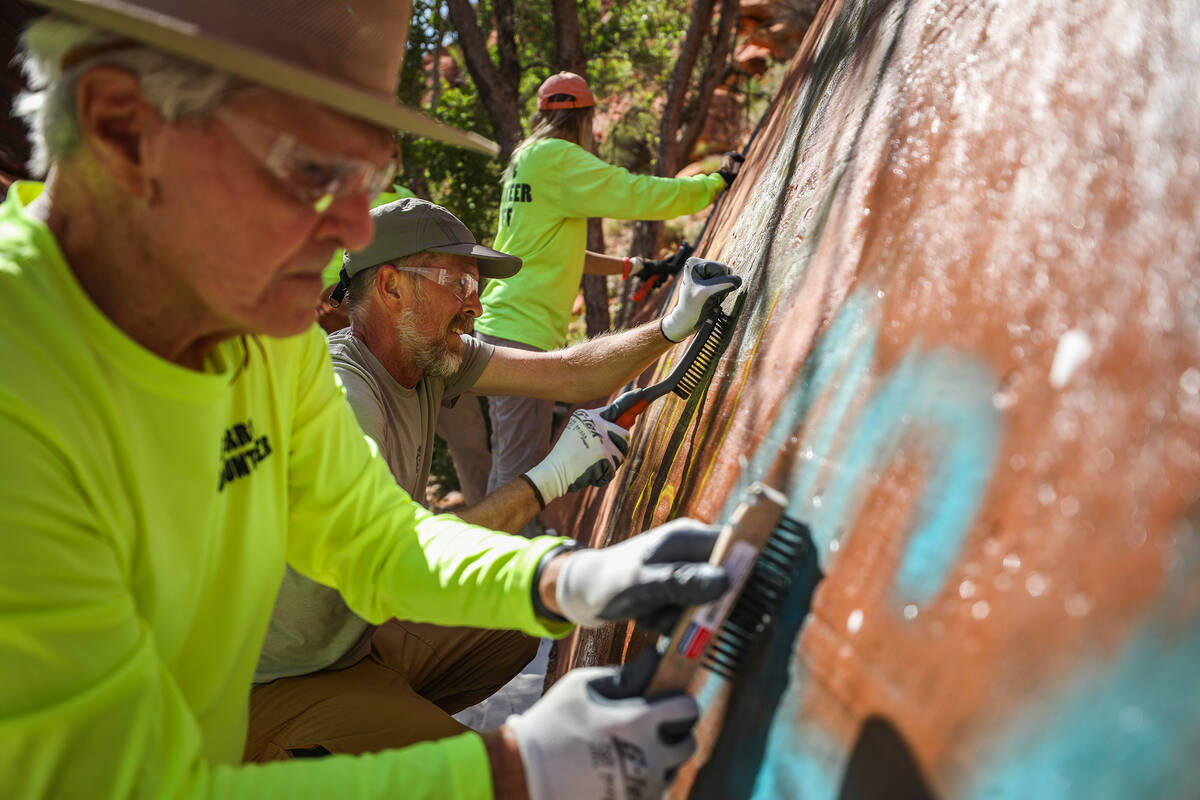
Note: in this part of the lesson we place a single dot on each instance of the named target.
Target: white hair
(175, 86)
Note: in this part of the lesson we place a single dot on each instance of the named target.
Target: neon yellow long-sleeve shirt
(552, 189)
(146, 512)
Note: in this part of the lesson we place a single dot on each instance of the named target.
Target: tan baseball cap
(345, 55)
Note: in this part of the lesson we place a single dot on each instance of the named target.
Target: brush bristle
(709, 352)
(786, 548)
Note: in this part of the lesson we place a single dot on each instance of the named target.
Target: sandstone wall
(970, 355)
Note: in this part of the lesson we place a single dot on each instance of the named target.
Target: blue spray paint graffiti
(1127, 727)
(853, 423)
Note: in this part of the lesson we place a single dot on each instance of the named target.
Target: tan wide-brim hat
(343, 54)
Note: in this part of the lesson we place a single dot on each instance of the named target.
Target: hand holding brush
(698, 307)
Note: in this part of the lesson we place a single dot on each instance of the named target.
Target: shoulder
(548, 151)
(351, 364)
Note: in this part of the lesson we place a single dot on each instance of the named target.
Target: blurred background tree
(671, 81)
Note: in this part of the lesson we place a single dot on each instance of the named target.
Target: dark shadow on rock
(882, 766)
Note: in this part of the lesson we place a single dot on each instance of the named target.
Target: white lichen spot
(966, 589)
(854, 621)
(911, 611)
(1074, 348)
(1012, 562)
(1189, 381)
(1036, 584)
(1078, 605)
(981, 609)
(1069, 506)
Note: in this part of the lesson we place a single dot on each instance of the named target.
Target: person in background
(327, 676)
(552, 184)
(174, 434)
(461, 426)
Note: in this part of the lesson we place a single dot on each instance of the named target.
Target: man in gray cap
(174, 435)
(327, 678)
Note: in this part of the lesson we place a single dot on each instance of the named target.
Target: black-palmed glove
(585, 741)
(656, 267)
(587, 453)
(705, 284)
(731, 165)
(649, 578)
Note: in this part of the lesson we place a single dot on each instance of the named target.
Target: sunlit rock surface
(970, 355)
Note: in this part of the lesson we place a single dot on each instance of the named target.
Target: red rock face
(970, 356)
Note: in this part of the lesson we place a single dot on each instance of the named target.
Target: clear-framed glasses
(464, 285)
(315, 177)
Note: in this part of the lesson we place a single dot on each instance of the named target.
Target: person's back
(552, 185)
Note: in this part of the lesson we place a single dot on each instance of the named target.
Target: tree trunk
(569, 55)
(677, 91)
(497, 85)
(685, 112)
(695, 113)
(435, 66)
(595, 287)
(568, 43)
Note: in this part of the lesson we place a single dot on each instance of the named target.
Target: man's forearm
(599, 366)
(594, 368)
(506, 509)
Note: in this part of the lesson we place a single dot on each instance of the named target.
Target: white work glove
(586, 454)
(650, 578)
(704, 284)
(586, 740)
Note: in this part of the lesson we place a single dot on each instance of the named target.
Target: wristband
(539, 607)
(537, 494)
(625, 270)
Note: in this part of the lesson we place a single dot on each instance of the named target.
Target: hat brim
(492, 263)
(175, 36)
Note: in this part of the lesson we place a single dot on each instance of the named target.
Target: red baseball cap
(567, 83)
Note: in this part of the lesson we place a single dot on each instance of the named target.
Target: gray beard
(430, 354)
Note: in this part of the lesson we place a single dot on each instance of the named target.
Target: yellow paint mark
(741, 388)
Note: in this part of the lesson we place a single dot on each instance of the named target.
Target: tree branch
(495, 92)
(696, 112)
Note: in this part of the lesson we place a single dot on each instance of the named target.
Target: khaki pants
(466, 438)
(403, 692)
(521, 428)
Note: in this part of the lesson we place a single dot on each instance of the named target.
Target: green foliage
(631, 49)
(467, 183)
(632, 142)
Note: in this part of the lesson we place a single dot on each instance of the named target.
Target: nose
(348, 219)
(472, 307)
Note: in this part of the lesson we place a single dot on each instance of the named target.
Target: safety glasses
(315, 177)
(464, 285)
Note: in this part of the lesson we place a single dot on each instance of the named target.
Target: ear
(116, 120)
(390, 287)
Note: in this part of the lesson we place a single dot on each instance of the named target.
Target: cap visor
(173, 35)
(492, 263)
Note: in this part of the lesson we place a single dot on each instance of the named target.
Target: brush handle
(737, 548)
(627, 408)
